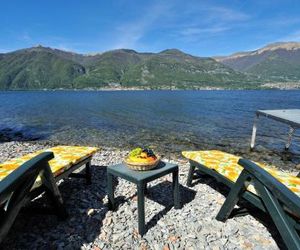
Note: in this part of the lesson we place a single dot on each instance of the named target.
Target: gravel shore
(91, 225)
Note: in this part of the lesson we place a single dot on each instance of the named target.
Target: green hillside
(40, 68)
(110, 67)
(174, 68)
(37, 69)
(277, 68)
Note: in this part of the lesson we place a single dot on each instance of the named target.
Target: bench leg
(233, 197)
(175, 185)
(53, 192)
(190, 176)
(110, 192)
(141, 208)
(88, 175)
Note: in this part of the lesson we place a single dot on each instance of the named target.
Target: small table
(141, 178)
(287, 116)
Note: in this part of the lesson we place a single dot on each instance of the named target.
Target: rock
(166, 247)
(92, 226)
(192, 236)
(108, 221)
(173, 238)
(90, 211)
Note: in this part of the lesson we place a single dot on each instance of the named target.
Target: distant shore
(266, 86)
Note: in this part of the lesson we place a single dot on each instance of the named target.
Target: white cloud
(203, 20)
(191, 31)
(208, 13)
(189, 22)
(226, 14)
(130, 33)
(284, 21)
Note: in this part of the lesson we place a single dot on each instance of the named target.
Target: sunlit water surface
(173, 120)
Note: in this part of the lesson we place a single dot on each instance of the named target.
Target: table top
(288, 116)
(123, 171)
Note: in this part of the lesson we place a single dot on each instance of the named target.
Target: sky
(197, 27)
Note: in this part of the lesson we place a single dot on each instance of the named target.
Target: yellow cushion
(227, 165)
(64, 158)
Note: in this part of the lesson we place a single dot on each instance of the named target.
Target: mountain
(175, 68)
(108, 67)
(274, 62)
(275, 65)
(40, 67)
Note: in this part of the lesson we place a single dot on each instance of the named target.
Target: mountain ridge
(270, 47)
(276, 62)
(44, 67)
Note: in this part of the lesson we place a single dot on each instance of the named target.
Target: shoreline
(267, 87)
(286, 161)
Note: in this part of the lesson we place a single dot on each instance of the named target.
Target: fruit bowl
(140, 166)
(141, 159)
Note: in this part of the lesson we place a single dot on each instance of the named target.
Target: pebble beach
(91, 225)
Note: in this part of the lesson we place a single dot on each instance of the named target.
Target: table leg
(289, 141)
(175, 185)
(254, 131)
(110, 191)
(145, 189)
(141, 208)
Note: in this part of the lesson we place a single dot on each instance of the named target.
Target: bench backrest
(279, 190)
(15, 189)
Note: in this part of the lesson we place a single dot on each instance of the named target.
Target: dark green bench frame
(17, 188)
(274, 198)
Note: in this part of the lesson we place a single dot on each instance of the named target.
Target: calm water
(171, 119)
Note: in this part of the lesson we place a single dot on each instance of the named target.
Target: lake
(173, 120)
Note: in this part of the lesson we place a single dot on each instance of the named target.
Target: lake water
(173, 120)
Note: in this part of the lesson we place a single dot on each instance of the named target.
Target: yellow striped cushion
(64, 158)
(227, 165)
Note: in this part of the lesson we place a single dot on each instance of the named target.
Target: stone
(108, 221)
(90, 211)
(166, 247)
(92, 226)
(173, 238)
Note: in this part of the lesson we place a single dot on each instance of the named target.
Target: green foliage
(39, 68)
(277, 68)
(182, 72)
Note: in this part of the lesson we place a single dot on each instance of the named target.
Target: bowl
(140, 166)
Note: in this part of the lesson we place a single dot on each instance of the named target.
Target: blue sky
(203, 28)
